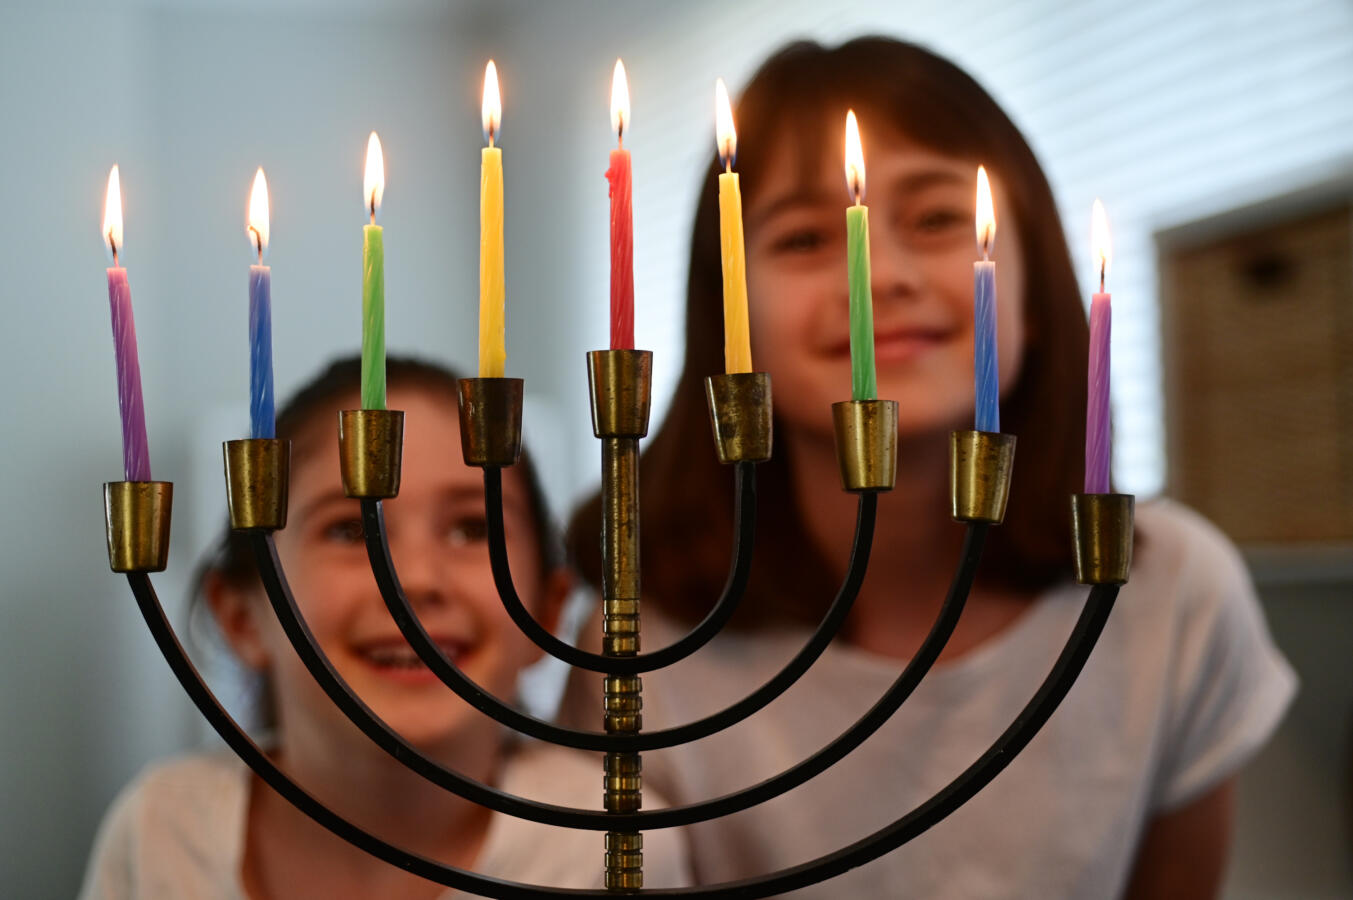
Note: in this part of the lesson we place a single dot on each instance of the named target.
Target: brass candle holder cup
(490, 420)
(137, 516)
(1102, 528)
(621, 385)
(740, 414)
(980, 464)
(866, 444)
(370, 444)
(257, 474)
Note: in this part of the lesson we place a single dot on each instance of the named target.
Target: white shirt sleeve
(1230, 685)
(109, 873)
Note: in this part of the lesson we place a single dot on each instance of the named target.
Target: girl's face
(922, 245)
(437, 537)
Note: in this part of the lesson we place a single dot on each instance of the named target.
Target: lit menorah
(370, 441)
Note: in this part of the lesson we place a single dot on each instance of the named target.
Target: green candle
(863, 378)
(373, 318)
(373, 282)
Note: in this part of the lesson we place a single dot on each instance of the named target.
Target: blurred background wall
(1174, 113)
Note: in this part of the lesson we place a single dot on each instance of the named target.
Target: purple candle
(1097, 434)
(135, 448)
(261, 419)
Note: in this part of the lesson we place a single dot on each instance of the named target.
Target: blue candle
(985, 363)
(260, 352)
(261, 424)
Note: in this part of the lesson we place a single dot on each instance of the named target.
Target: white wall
(1169, 110)
(188, 103)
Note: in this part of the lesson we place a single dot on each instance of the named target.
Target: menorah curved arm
(378, 549)
(1032, 718)
(744, 530)
(254, 757)
(386, 738)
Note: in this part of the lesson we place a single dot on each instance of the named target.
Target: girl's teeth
(401, 657)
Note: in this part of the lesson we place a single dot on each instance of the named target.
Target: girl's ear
(236, 612)
(558, 585)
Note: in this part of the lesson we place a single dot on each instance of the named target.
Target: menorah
(370, 441)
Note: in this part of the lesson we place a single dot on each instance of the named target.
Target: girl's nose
(894, 268)
(423, 573)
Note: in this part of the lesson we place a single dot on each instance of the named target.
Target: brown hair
(805, 89)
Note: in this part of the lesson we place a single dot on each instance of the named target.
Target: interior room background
(1177, 114)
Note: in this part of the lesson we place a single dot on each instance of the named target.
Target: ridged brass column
(621, 382)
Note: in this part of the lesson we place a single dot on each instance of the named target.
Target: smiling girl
(1129, 786)
(204, 826)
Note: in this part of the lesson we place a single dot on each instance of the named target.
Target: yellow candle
(492, 290)
(737, 342)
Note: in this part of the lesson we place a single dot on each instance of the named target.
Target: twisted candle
(261, 415)
(1097, 435)
(135, 447)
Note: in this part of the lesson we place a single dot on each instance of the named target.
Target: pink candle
(622, 219)
(1097, 433)
(135, 449)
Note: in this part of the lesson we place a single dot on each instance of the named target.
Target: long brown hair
(804, 89)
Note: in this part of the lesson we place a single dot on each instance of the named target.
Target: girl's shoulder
(1177, 543)
(179, 822)
(1224, 683)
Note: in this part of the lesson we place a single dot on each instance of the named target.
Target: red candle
(622, 219)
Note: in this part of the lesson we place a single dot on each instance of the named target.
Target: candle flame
(1100, 241)
(986, 213)
(257, 228)
(854, 158)
(725, 133)
(373, 184)
(620, 100)
(492, 110)
(112, 214)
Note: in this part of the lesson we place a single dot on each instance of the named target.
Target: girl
(205, 826)
(1129, 787)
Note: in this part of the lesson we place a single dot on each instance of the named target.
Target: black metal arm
(381, 734)
(1034, 715)
(378, 549)
(744, 530)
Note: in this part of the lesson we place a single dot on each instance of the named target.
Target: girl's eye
(802, 240)
(941, 220)
(344, 531)
(472, 530)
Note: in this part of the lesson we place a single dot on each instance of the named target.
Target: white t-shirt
(178, 831)
(1184, 685)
